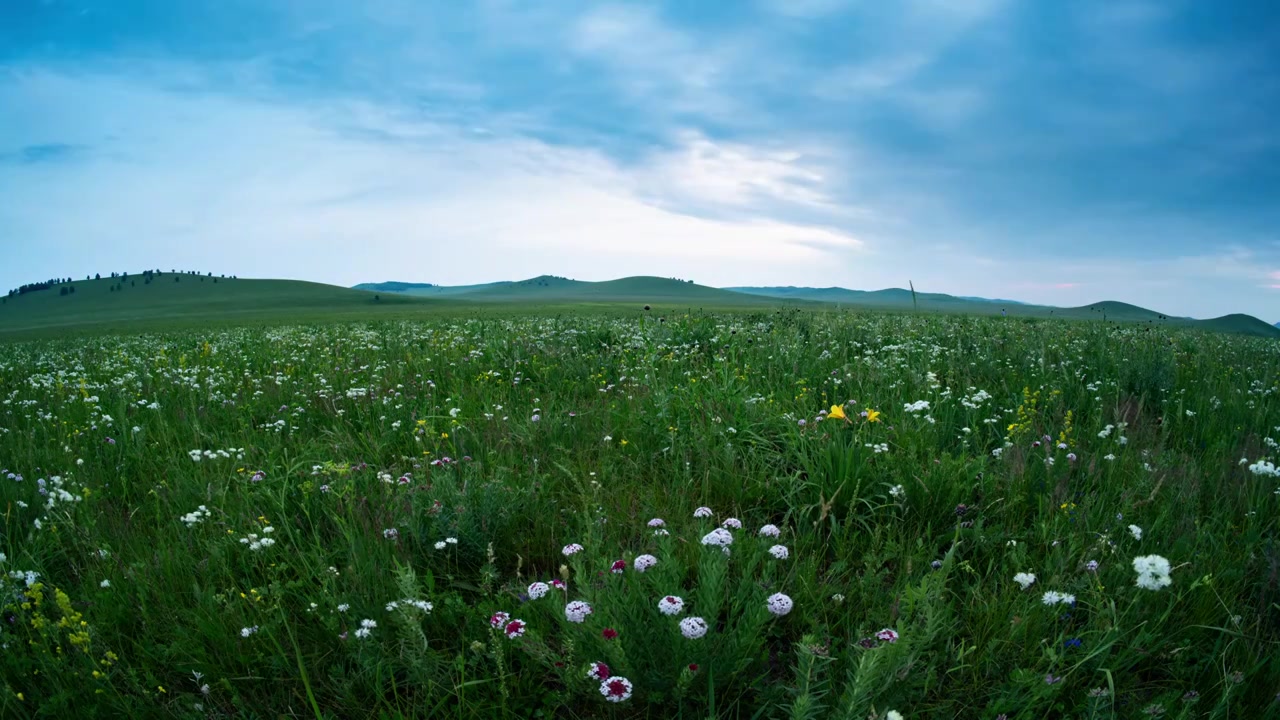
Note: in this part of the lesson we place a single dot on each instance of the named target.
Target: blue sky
(1050, 152)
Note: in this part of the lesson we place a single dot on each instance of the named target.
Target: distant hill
(176, 299)
(639, 289)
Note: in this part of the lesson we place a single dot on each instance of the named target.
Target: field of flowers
(780, 514)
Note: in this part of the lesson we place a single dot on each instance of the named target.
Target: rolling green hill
(177, 299)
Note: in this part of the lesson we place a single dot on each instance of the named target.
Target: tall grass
(332, 521)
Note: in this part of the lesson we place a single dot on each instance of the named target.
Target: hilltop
(180, 299)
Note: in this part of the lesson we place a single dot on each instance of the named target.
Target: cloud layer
(984, 147)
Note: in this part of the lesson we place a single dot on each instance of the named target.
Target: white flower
(577, 611)
(644, 562)
(693, 627)
(897, 491)
(440, 545)
(105, 584)
(616, 689)
(451, 540)
(719, 536)
(538, 589)
(1054, 598)
(733, 523)
(702, 512)
(660, 532)
(893, 715)
(657, 523)
(1024, 579)
(1136, 532)
(246, 632)
(779, 604)
(571, 549)
(779, 551)
(343, 607)
(838, 597)
(770, 531)
(671, 605)
(1153, 572)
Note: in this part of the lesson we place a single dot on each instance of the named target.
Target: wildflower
(657, 523)
(779, 604)
(887, 635)
(343, 607)
(391, 533)
(770, 531)
(1136, 532)
(1052, 597)
(609, 634)
(1024, 579)
(836, 413)
(839, 598)
(661, 532)
(644, 562)
(618, 567)
(451, 540)
(702, 512)
(616, 689)
(498, 619)
(538, 589)
(733, 523)
(1072, 643)
(246, 632)
(559, 584)
(936, 564)
(571, 549)
(1051, 679)
(670, 605)
(577, 611)
(693, 627)
(719, 537)
(104, 584)
(871, 415)
(536, 417)
(598, 671)
(1153, 572)
(1091, 566)
(779, 551)
(893, 715)
(514, 629)
(801, 422)
(366, 627)
(440, 545)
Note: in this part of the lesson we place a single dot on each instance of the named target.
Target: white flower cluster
(1024, 579)
(256, 543)
(571, 549)
(198, 515)
(366, 627)
(1153, 572)
(408, 603)
(779, 551)
(1053, 597)
(1264, 468)
(693, 627)
(644, 562)
(538, 590)
(577, 611)
(779, 604)
(718, 537)
(771, 531)
(916, 407)
(671, 605)
(198, 455)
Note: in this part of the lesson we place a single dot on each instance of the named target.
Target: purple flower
(1051, 679)
(111, 441)
(1071, 457)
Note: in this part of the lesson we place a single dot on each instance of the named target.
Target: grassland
(328, 520)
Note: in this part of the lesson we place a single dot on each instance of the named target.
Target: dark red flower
(693, 667)
(618, 566)
(609, 633)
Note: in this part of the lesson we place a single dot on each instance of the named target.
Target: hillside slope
(179, 299)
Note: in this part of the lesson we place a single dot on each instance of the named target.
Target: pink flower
(499, 619)
(618, 567)
(558, 584)
(598, 671)
(571, 549)
(514, 629)
(609, 634)
(887, 635)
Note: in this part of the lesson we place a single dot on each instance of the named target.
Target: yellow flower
(837, 413)
(873, 415)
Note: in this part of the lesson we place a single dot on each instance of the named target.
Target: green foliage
(323, 520)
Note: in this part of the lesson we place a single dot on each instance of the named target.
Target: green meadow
(277, 499)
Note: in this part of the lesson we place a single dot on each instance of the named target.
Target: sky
(1058, 153)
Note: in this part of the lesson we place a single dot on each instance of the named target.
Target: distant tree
(97, 276)
(63, 291)
(376, 298)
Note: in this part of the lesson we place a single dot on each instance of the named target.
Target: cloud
(199, 179)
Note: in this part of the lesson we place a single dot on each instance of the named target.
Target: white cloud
(348, 193)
